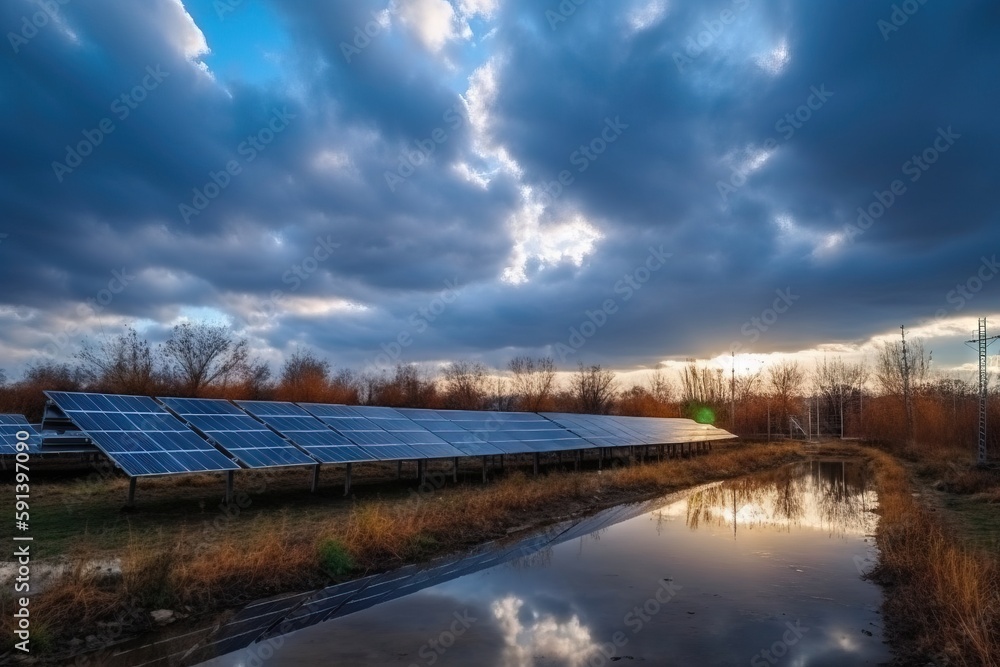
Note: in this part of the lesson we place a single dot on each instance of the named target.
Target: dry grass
(943, 597)
(281, 551)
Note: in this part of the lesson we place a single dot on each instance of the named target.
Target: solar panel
(10, 426)
(468, 442)
(251, 442)
(410, 432)
(307, 431)
(600, 430)
(370, 436)
(140, 436)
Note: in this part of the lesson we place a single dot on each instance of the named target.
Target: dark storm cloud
(321, 182)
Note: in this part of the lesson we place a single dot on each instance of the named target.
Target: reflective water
(763, 570)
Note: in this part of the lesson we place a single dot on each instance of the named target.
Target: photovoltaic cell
(409, 432)
(139, 435)
(469, 442)
(251, 442)
(307, 432)
(364, 432)
(10, 426)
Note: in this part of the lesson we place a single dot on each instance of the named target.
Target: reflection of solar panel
(251, 442)
(139, 435)
(410, 432)
(10, 426)
(370, 436)
(306, 431)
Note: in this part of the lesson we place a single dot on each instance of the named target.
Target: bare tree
(891, 369)
(408, 388)
(466, 385)
(661, 388)
(304, 377)
(124, 364)
(254, 383)
(785, 381)
(594, 389)
(533, 382)
(203, 355)
(702, 385)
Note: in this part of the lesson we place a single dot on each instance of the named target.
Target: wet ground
(762, 570)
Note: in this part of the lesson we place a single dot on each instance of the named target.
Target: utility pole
(982, 343)
(907, 402)
(732, 396)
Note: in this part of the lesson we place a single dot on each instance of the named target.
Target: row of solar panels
(174, 435)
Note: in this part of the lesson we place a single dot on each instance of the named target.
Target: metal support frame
(421, 470)
(484, 470)
(983, 343)
(131, 491)
(315, 482)
(230, 476)
(347, 479)
(454, 470)
(399, 470)
(536, 455)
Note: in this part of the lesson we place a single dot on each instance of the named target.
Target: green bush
(334, 559)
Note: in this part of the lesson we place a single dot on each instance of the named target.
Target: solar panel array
(307, 432)
(139, 435)
(250, 441)
(143, 438)
(10, 426)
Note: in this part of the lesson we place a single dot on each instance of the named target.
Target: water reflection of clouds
(528, 634)
(834, 497)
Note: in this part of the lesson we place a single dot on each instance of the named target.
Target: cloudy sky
(621, 182)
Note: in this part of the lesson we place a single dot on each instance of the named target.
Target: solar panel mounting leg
(454, 470)
(421, 470)
(131, 491)
(536, 463)
(229, 487)
(484, 470)
(347, 479)
(576, 461)
(600, 458)
(399, 469)
(315, 484)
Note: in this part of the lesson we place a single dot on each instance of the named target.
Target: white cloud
(433, 22)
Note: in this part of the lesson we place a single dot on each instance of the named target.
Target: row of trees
(895, 398)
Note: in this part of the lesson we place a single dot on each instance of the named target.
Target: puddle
(763, 570)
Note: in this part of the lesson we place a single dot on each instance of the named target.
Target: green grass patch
(334, 558)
